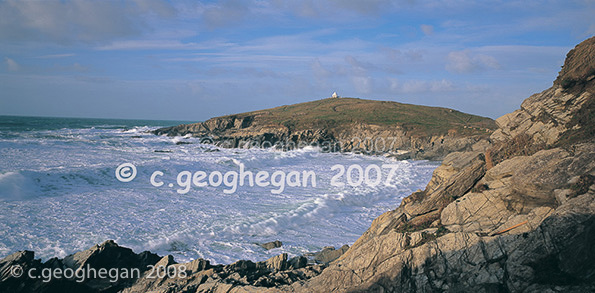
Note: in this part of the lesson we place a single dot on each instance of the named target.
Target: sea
(67, 184)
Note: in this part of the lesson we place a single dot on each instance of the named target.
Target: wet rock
(271, 245)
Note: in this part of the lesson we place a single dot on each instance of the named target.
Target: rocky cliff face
(231, 132)
(512, 214)
(517, 215)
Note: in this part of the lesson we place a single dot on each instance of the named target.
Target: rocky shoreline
(420, 135)
(364, 139)
(512, 213)
(79, 272)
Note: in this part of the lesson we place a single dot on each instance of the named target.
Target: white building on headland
(335, 95)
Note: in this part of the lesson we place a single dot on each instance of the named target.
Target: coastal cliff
(515, 213)
(517, 216)
(346, 124)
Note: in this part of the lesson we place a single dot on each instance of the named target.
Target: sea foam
(60, 195)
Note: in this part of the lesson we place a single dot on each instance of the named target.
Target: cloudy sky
(191, 60)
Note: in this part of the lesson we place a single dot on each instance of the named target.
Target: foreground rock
(35, 277)
(125, 271)
(243, 275)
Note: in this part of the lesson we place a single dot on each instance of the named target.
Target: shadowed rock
(107, 255)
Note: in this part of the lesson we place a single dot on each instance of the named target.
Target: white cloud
(427, 29)
(362, 84)
(465, 62)
(76, 21)
(420, 86)
(234, 60)
(319, 70)
(162, 45)
(11, 64)
(403, 56)
(55, 56)
(300, 42)
(365, 7)
(337, 10)
(487, 61)
(225, 13)
(359, 67)
(460, 62)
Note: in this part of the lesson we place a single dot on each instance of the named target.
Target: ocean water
(59, 193)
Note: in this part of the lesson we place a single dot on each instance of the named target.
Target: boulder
(271, 245)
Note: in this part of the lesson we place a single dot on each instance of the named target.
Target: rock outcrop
(328, 254)
(126, 271)
(271, 245)
(79, 272)
(243, 275)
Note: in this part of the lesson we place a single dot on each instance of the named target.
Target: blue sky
(191, 60)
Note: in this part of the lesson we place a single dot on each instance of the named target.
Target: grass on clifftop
(337, 112)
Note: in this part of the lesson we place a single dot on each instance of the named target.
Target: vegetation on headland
(337, 113)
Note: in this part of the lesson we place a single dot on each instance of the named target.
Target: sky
(192, 60)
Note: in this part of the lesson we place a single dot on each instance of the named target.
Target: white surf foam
(59, 195)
